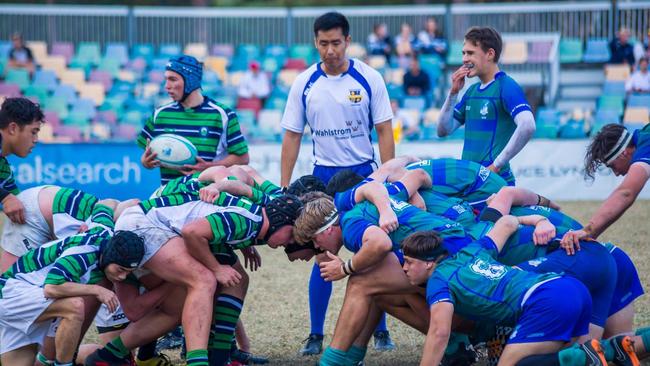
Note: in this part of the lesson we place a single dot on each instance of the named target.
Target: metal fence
(262, 26)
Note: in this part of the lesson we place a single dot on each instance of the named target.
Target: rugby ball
(173, 151)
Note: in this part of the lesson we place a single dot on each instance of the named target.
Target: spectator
(255, 83)
(639, 81)
(20, 56)
(379, 41)
(404, 126)
(622, 51)
(430, 41)
(416, 81)
(404, 45)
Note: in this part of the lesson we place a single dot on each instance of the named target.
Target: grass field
(276, 309)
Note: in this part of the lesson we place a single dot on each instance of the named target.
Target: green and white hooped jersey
(71, 208)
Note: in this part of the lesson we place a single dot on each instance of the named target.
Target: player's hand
(388, 221)
(332, 270)
(252, 259)
(571, 241)
(417, 201)
(14, 209)
(82, 228)
(209, 193)
(227, 276)
(148, 158)
(494, 168)
(544, 232)
(200, 166)
(108, 298)
(458, 79)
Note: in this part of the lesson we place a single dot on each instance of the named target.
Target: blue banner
(109, 170)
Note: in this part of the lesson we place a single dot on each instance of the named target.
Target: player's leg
(68, 333)
(23, 356)
(628, 289)
(320, 292)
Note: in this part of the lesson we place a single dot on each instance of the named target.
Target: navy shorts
(557, 310)
(628, 285)
(593, 265)
(325, 173)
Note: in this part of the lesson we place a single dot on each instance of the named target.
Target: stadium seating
(514, 52)
(636, 116)
(638, 100)
(596, 51)
(570, 50)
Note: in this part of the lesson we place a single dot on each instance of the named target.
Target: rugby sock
(197, 357)
(333, 357)
(455, 340)
(381, 327)
(644, 333)
(224, 320)
(356, 354)
(319, 297)
(147, 351)
(116, 349)
(43, 360)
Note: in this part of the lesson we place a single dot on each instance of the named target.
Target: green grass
(276, 309)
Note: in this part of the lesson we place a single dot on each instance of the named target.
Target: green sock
(572, 356)
(608, 349)
(225, 314)
(356, 354)
(116, 348)
(644, 333)
(455, 339)
(333, 357)
(197, 357)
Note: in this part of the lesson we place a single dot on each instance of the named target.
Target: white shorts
(20, 306)
(105, 321)
(18, 239)
(134, 220)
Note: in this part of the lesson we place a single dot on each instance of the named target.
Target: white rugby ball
(173, 151)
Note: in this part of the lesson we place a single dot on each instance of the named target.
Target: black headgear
(124, 248)
(305, 184)
(281, 211)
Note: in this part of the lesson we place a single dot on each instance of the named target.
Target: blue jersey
(641, 139)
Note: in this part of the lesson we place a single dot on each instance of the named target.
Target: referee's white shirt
(340, 110)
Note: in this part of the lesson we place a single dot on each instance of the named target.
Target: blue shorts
(557, 310)
(325, 173)
(592, 265)
(628, 285)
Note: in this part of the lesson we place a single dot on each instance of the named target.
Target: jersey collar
(323, 73)
(496, 76)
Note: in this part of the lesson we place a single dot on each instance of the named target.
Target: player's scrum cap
(305, 184)
(125, 249)
(282, 211)
(190, 69)
(618, 148)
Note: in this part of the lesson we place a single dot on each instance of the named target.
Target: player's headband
(618, 148)
(329, 221)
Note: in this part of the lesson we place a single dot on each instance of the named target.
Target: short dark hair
(600, 147)
(486, 38)
(332, 20)
(20, 110)
(424, 244)
(342, 181)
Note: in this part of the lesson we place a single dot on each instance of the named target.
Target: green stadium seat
(78, 119)
(58, 105)
(19, 77)
(455, 54)
(612, 102)
(134, 118)
(303, 51)
(247, 52)
(573, 130)
(110, 65)
(570, 50)
(88, 53)
(546, 131)
(38, 91)
(143, 50)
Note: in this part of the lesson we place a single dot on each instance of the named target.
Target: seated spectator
(255, 83)
(622, 51)
(405, 45)
(639, 81)
(404, 127)
(379, 41)
(416, 80)
(430, 41)
(20, 56)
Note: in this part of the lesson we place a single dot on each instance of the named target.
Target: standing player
(341, 99)
(212, 127)
(20, 122)
(498, 120)
(625, 153)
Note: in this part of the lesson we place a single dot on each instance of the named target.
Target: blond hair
(314, 215)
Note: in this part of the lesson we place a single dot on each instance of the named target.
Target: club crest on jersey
(204, 131)
(487, 269)
(355, 96)
(484, 110)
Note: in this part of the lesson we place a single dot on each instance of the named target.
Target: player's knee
(74, 309)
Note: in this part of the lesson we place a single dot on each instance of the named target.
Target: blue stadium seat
(117, 51)
(143, 50)
(606, 116)
(638, 100)
(611, 102)
(277, 103)
(77, 118)
(276, 50)
(67, 92)
(84, 106)
(58, 105)
(5, 47)
(546, 130)
(247, 52)
(46, 78)
(455, 54)
(596, 50)
(134, 118)
(573, 130)
(614, 88)
(88, 54)
(138, 104)
(418, 103)
(168, 50)
(548, 116)
(432, 65)
(429, 133)
(395, 91)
